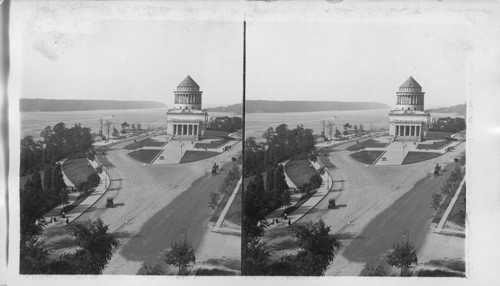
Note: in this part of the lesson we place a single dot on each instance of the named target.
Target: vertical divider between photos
(243, 150)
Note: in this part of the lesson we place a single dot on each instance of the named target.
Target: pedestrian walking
(285, 216)
(55, 219)
(289, 221)
(67, 220)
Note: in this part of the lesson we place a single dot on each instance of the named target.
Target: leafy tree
(153, 270)
(181, 255)
(280, 184)
(139, 127)
(124, 125)
(47, 178)
(330, 126)
(347, 126)
(64, 196)
(108, 127)
(57, 179)
(255, 258)
(133, 128)
(338, 134)
(116, 133)
(356, 130)
(33, 258)
(361, 128)
(316, 181)
(270, 179)
(101, 123)
(94, 250)
(316, 239)
(32, 211)
(436, 201)
(402, 256)
(323, 128)
(214, 200)
(378, 270)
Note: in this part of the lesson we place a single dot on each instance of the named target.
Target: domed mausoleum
(409, 120)
(187, 120)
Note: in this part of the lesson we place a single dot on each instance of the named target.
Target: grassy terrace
(143, 143)
(368, 143)
(192, 156)
(145, 155)
(234, 213)
(212, 145)
(415, 157)
(77, 170)
(435, 145)
(300, 171)
(436, 135)
(457, 213)
(214, 134)
(366, 157)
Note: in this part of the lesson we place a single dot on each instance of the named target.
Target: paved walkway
(84, 205)
(308, 205)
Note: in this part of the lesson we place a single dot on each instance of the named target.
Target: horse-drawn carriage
(331, 204)
(109, 202)
(215, 169)
(437, 170)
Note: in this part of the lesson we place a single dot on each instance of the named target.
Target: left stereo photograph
(129, 131)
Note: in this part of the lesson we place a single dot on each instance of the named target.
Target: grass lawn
(300, 171)
(435, 145)
(436, 135)
(145, 155)
(77, 170)
(234, 213)
(212, 145)
(368, 143)
(214, 134)
(145, 142)
(457, 213)
(415, 157)
(367, 157)
(192, 156)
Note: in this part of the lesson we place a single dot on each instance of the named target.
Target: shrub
(315, 181)
(93, 179)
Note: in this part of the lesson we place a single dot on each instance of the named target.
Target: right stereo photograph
(354, 155)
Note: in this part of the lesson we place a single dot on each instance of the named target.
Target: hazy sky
(130, 60)
(63, 54)
(355, 62)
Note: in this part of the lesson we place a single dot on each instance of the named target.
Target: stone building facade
(187, 120)
(409, 121)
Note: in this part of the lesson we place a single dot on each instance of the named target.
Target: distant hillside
(38, 104)
(268, 106)
(235, 108)
(458, 109)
